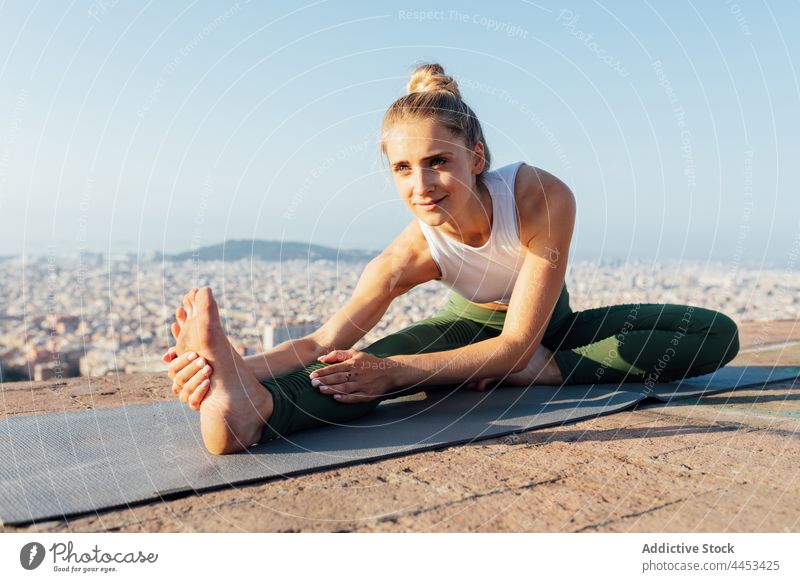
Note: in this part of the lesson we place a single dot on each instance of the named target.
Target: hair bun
(431, 77)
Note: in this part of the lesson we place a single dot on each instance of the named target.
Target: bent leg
(642, 343)
(299, 405)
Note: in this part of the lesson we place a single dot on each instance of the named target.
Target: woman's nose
(423, 182)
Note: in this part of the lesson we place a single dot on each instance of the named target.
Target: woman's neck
(474, 226)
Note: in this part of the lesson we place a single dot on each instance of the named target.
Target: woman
(500, 240)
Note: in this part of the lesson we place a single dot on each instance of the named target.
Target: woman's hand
(355, 376)
(191, 376)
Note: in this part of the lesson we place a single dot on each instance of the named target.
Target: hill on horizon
(270, 250)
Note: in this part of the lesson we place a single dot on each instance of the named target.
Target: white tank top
(488, 273)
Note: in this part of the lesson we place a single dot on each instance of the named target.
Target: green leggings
(646, 343)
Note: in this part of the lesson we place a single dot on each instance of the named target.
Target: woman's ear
(478, 159)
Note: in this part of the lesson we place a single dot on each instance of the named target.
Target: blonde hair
(431, 94)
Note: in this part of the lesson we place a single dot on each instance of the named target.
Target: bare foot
(236, 406)
(541, 369)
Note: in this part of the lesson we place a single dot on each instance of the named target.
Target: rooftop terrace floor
(728, 463)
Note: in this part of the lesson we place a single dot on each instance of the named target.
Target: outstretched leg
(235, 409)
(298, 405)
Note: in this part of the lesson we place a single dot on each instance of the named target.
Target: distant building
(47, 371)
(277, 334)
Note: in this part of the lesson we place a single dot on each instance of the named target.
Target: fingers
(192, 368)
(195, 389)
(180, 363)
(330, 370)
(342, 388)
(353, 398)
(347, 393)
(336, 379)
(336, 356)
(196, 399)
(337, 387)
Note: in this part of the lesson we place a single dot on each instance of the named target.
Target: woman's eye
(434, 162)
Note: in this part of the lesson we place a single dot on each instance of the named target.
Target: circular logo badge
(31, 555)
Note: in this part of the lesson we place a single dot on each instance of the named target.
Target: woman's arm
(284, 358)
(547, 212)
(395, 271)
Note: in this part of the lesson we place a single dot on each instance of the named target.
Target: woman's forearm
(284, 358)
(494, 357)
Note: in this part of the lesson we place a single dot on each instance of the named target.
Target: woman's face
(434, 172)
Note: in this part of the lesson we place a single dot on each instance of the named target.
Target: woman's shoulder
(530, 178)
(410, 253)
(526, 179)
(541, 198)
(504, 175)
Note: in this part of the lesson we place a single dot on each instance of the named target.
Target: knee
(726, 332)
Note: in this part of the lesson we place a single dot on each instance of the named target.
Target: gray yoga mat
(59, 465)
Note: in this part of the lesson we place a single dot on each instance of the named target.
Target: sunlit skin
(427, 164)
(235, 405)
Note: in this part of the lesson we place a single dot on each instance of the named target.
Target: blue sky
(131, 126)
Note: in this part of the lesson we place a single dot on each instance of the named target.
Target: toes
(187, 304)
(180, 315)
(175, 329)
(203, 297)
(169, 356)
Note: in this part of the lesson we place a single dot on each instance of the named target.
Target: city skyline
(789, 258)
(63, 317)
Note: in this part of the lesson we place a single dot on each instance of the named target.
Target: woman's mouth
(431, 205)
